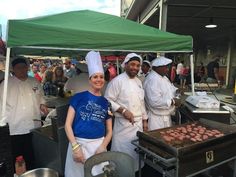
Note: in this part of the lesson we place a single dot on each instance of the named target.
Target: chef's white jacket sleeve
(112, 93)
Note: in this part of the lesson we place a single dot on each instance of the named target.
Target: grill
(187, 158)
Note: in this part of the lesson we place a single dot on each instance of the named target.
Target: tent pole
(4, 100)
(192, 74)
(163, 15)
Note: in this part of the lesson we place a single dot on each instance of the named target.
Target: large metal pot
(41, 172)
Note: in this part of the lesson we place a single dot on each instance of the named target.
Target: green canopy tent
(88, 30)
(83, 31)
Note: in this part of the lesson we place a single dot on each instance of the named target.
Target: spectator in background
(37, 63)
(213, 71)
(69, 72)
(40, 75)
(2, 67)
(202, 69)
(178, 70)
(59, 80)
(201, 72)
(118, 68)
(110, 72)
(33, 70)
(173, 73)
(233, 79)
(183, 76)
(145, 69)
(48, 87)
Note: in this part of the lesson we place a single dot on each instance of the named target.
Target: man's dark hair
(18, 60)
(146, 64)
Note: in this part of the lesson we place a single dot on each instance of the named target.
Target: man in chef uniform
(145, 69)
(126, 94)
(25, 104)
(159, 95)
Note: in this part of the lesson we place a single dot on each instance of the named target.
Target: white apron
(123, 133)
(89, 147)
(158, 121)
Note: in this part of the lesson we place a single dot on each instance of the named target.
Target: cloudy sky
(20, 9)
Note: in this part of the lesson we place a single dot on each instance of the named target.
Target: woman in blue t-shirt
(88, 125)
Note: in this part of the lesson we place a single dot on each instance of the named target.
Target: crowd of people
(141, 98)
(180, 73)
(52, 76)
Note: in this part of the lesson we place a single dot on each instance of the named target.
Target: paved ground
(148, 171)
(222, 171)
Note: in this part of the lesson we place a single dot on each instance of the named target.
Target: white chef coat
(159, 92)
(125, 92)
(23, 104)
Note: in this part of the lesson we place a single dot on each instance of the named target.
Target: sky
(21, 9)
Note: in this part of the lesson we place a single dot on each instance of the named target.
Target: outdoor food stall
(182, 150)
(76, 32)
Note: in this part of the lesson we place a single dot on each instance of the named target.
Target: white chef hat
(94, 63)
(161, 61)
(129, 56)
(148, 62)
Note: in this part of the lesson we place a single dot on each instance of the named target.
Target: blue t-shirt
(91, 113)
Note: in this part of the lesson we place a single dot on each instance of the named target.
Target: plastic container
(20, 165)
